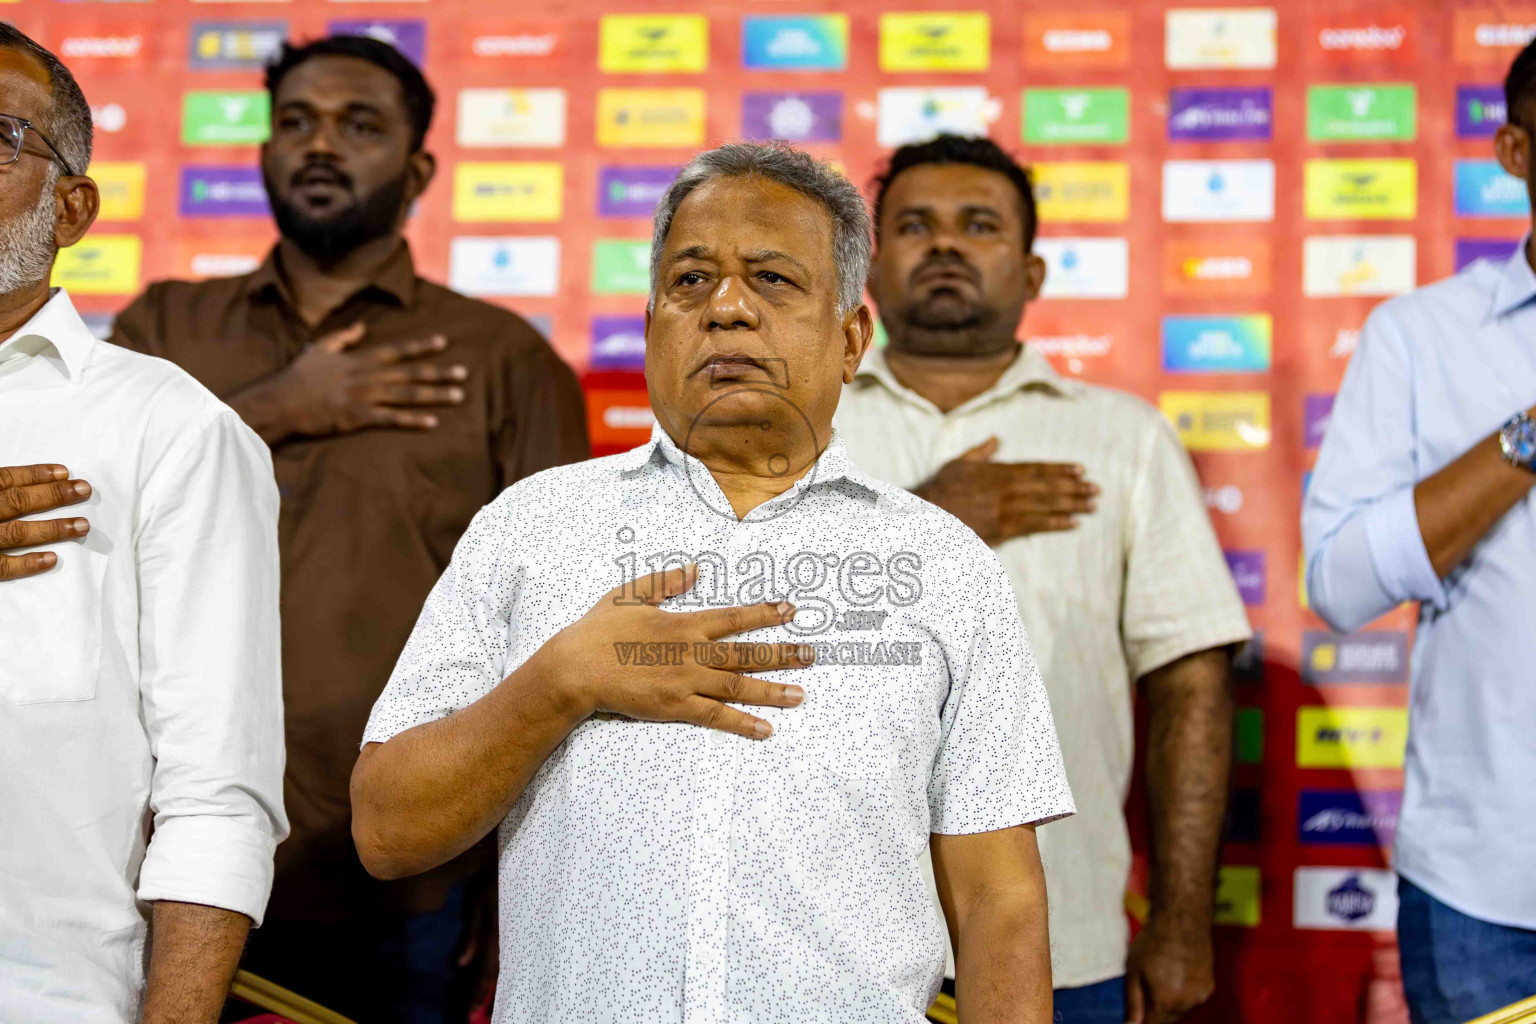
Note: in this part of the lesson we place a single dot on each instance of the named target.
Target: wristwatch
(1517, 442)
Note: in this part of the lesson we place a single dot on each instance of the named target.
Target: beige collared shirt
(1140, 583)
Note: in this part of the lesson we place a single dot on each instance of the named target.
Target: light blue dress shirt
(1437, 371)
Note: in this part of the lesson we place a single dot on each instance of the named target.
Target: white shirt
(1139, 583)
(1436, 371)
(663, 872)
(141, 739)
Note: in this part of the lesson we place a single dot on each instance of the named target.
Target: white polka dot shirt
(664, 872)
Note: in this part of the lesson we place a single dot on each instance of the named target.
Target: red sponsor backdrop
(137, 61)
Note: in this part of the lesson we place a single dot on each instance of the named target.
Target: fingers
(26, 476)
(1071, 501)
(740, 689)
(1135, 1004)
(1010, 526)
(656, 587)
(744, 657)
(340, 341)
(23, 501)
(415, 394)
(400, 351)
(14, 567)
(385, 416)
(717, 622)
(714, 715)
(982, 452)
(421, 373)
(30, 533)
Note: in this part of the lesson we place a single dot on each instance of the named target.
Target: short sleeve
(456, 653)
(999, 762)
(1179, 594)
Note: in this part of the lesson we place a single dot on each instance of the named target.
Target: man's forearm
(1458, 505)
(433, 791)
(194, 952)
(1189, 754)
(1003, 962)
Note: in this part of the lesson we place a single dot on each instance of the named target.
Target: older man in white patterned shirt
(699, 831)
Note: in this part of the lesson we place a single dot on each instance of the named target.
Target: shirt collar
(832, 465)
(396, 278)
(1030, 369)
(1516, 285)
(56, 324)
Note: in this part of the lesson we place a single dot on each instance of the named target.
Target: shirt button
(716, 738)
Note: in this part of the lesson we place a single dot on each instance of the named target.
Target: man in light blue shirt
(1422, 492)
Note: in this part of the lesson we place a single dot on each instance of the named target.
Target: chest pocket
(858, 722)
(52, 625)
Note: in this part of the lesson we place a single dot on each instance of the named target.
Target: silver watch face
(1518, 440)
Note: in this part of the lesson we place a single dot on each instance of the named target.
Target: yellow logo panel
(1361, 189)
(508, 191)
(1328, 737)
(935, 41)
(1237, 895)
(653, 42)
(122, 190)
(1082, 191)
(100, 265)
(1218, 421)
(645, 118)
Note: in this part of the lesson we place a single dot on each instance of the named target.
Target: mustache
(954, 264)
(318, 171)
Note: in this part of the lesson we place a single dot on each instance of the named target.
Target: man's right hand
(331, 390)
(1003, 500)
(587, 654)
(25, 490)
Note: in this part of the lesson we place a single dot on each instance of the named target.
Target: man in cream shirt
(141, 750)
(1092, 505)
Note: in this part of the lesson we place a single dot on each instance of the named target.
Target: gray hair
(68, 123)
(778, 162)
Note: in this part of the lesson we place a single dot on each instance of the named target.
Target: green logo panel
(1362, 113)
(1076, 116)
(621, 267)
(225, 118)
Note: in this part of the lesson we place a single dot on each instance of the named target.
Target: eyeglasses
(13, 132)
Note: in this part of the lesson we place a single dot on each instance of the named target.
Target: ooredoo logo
(1381, 36)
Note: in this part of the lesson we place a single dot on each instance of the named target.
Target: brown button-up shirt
(369, 519)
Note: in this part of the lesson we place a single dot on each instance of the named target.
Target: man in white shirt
(140, 710)
(1092, 505)
(665, 855)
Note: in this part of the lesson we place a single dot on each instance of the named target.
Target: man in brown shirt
(395, 409)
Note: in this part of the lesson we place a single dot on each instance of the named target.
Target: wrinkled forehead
(731, 215)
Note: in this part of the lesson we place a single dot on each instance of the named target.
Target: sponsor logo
(225, 118)
(794, 116)
(1247, 568)
(1316, 409)
(1071, 337)
(1218, 421)
(645, 118)
(1484, 189)
(508, 192)
(1496, 250)
(1069, 39)
(918, 114)
(1084, 268)
(1348, 818)
(1216, 267)
(1345, 899)
(1076, 116)
(407, 36)
(1479, 111)
(1217, 344)
(653, 43)
(934, 41)
(1226, 499)
(110, 118)
(501, 38)
(1492, 36)
(496, 267)
(1218, 190)
(117, 45)
(1330, 737)
(1248, 736)
(234, 45)
(222, 192)
(810, 42)
(224, 255)
(1237, 896)
(621, 266)
(511, 117)
(1386, 189)
(1374, 656)
(631, 191)
(1245, 816)
(618, 343)
(1371, 37)
(1220, 115)
(1231, 38)
(99, 265)
(618, 418)
(122, 190)
(1080, 192)
(1348, 113)
(1338, 265)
